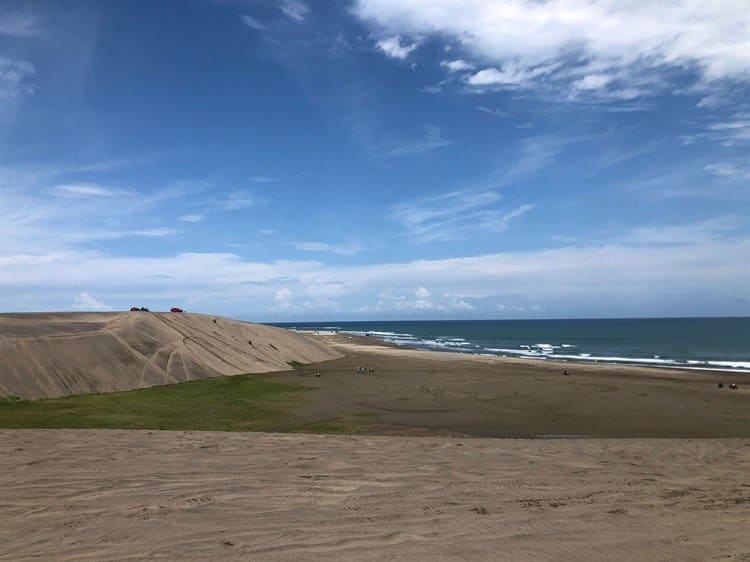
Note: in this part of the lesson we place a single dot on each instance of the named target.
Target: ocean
(695, 343)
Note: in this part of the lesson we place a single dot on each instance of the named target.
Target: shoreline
(342, 337)
(417, 392)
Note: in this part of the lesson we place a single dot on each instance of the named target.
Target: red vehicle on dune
(175, 309)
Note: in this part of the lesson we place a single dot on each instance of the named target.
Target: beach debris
(733, 386)
(721, 385)
(480, 510)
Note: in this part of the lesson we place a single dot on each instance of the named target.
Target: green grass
(238, 403)
(296, 364)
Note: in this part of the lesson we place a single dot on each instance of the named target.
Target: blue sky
(373, 159)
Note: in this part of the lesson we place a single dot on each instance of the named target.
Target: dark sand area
(414, 392)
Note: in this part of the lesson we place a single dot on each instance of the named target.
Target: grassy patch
(238, 403)
(296, 364)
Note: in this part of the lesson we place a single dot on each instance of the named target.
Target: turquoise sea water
(698, 343)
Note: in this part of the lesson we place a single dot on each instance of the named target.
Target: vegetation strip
(236, 403)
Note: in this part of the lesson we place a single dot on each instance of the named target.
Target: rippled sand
(138, 495)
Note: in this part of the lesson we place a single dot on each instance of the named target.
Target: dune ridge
(46, 355)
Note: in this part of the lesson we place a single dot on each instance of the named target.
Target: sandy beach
(140, 495)
(594, 470)
(415, 392)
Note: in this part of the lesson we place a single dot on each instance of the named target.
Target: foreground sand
(139, 495)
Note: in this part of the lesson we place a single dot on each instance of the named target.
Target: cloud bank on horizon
(376, 159)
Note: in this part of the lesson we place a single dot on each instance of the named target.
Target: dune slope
(49, 355)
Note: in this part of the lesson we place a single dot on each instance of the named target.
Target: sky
(376, 159)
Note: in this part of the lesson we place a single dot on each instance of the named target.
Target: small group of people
(732, 385)
(364, 370)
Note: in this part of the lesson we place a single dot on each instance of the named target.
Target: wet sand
(414, 392)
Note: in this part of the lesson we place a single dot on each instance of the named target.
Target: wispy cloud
(263, 179)
(253, 23)
(681, 234)
(341, 249)
(41, 215)
(193, 217)
(730, 170)
(456, 215)
(432, 139)
(730, 130)
(17, 23)
(237, 200)
(88, 190)
(84, 301)
(497, 112)
(295, 9)
(15, 78)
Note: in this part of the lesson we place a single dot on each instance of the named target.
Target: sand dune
(139, 495)
(48, 355)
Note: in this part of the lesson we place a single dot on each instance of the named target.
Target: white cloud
(284, 298)
(592, 82)
(392, 47)
(422, 294)
(87, 190)
(730, 170)
(457, 65)
(84, 301)
(341, 249)
(15, 78)
(641, 271)
(253, 23)
(455, 215)
(732, 130)
(518, 308)
(495, 112)
(433, 138)
(262, 179)
(681, 234)
(20, 24)
(573, 39)
(191, 218)
(459, 305)
(511, 75)
(295, 9)
(41, 215)
(237, 200)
